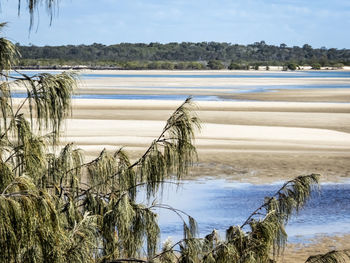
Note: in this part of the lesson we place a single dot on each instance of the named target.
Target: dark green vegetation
(292, 66)
(186, 55)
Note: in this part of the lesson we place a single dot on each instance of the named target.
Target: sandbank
(111, 83)
(306, 95)
(251, 141)
(273, 136)
(269, 136)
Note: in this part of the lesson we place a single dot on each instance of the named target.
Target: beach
(252, 140)
(256, 137)
(251, 137)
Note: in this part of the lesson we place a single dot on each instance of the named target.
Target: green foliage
(8, 52)
(49, 98)
(184, 55)
(236, 66)
(48, 212)
(189, 65)
(292, 66)
(215, 64)
(316, 66)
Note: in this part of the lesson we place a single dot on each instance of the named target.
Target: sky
(320, 23)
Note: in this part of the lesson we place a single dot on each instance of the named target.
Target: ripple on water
(219, 204)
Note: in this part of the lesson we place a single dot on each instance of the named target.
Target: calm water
(240, 89)
(137, 97)
(304, 74)
(219, 204)
(233, 74)
(220, 92)
(223, 93)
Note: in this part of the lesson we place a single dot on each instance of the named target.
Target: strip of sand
(306, 95)
(110, 84)
(250, 141)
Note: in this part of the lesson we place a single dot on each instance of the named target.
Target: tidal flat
(257, 131)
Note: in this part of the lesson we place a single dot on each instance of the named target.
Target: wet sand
(303, 95)
(295, 253)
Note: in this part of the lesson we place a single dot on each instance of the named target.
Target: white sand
(253, 141)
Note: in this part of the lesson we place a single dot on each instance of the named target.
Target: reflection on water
(219, 204)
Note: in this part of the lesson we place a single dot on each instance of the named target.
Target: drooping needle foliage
(54, 207)
(33, 6)
(341, 256)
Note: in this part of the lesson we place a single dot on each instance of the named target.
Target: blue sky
(294, 22)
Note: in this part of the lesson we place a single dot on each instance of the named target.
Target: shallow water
(233, 74)
(237, 88)
(138, 97)
(251, 74)
(219, 204)
(147, 97)
(220, 92)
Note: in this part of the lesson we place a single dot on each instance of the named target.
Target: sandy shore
(271, 136)
(194, 85)
(275, 137)
(306, 95)
(251, 141)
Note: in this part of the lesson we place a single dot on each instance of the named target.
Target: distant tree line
(185, 55)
